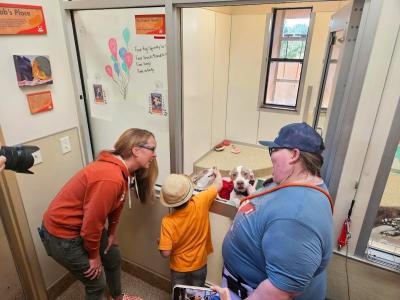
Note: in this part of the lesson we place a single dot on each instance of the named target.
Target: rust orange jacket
(91, 197)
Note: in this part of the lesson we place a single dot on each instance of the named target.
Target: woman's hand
(95, 268)
(223, 292)
(111, 241)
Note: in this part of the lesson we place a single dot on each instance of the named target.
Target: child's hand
(158, 241)
(223, 292)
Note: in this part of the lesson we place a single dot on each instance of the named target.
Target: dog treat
(235, 149)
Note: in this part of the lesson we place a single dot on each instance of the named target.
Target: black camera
(19, 158)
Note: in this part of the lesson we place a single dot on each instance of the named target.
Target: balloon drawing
(121, 62)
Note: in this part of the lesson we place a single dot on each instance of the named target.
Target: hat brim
(183, 201)
(269, 144)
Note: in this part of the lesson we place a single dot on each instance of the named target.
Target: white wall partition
(127, 84)
(205, 60)
(16, 121)
(221, 76)
(247, 37)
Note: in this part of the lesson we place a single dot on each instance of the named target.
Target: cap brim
(269, 144)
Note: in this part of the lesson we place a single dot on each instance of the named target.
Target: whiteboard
(124, 66)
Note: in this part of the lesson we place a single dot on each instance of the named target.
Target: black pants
(70, 254)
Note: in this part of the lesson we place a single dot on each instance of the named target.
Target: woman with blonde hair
(74, 230)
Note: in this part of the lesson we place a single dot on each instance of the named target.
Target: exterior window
(286, 56)
(384, 242)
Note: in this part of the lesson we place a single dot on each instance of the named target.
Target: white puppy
(243, 180)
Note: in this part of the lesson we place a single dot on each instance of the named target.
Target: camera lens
(19, 158)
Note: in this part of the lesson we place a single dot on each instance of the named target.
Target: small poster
(150, 24)
(157, 105)
(21, 19)
(100, 100)
(40, 102)
(99, 94)
(32, 70)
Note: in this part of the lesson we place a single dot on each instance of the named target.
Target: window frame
(379, 186)
(267, 60)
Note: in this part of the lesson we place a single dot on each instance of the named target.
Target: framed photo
(40, 102)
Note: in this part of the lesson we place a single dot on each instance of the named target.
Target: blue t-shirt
(285, 236)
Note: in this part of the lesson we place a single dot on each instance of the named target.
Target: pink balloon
(112, 44)
(128, 59)
(109, 71)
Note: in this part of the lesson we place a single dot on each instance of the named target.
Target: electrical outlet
(65, 144)
(37, 157)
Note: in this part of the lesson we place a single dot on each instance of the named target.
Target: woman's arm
(267, 291)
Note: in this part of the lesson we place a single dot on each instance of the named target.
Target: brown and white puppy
(243, 180)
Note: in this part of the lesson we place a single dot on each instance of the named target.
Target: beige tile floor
(130, 285)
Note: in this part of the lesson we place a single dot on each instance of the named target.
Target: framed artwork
(32, 70)
(40, 102)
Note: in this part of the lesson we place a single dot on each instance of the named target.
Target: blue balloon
(116, 68)
(122, 52)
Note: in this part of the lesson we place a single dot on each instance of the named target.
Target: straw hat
(176, 190)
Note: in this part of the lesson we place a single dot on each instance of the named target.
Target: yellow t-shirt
(187, 233)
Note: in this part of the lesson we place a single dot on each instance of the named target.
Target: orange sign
(21, 19)
(40, 102)
(150, 24)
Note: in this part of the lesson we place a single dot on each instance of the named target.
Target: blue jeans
(196, 278)
(70, 254)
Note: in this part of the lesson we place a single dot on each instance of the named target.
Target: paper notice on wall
(99, 100)
(157, 104)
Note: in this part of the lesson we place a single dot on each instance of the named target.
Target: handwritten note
(148, 57)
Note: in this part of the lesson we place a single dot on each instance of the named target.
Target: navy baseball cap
(297, 135)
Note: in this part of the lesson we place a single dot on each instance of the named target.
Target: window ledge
(271, 107)
(366, 261)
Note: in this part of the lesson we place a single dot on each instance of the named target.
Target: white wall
(16, 121)
(222, 82)
(205, 76)
(244, 78)
(108, 121)
(221, 65)
(247, 36)
(19, 126)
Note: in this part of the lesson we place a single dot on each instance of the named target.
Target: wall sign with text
(150, 24)
(21, 19)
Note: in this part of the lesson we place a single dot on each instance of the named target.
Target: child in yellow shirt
(185, 235)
